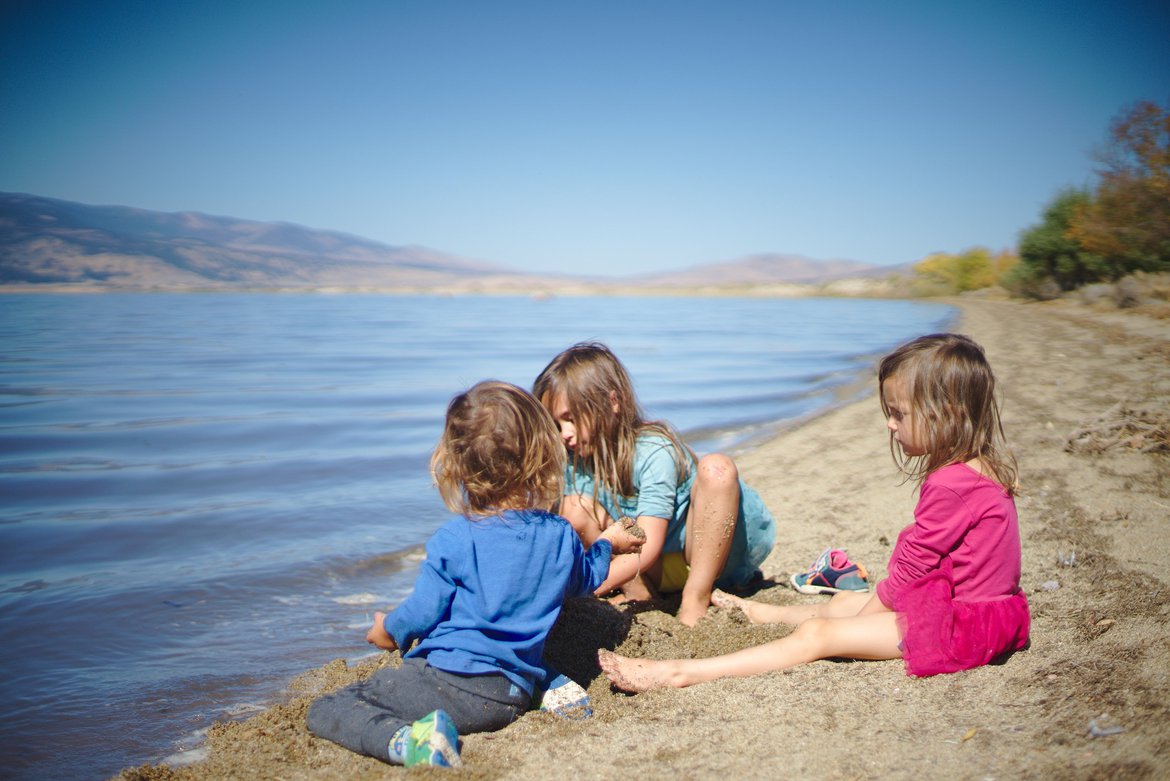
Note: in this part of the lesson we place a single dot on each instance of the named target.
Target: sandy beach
(1086, 396)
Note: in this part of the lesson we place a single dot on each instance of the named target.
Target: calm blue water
(206, 494)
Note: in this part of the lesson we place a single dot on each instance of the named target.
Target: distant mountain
(764, 269)
(43, 240)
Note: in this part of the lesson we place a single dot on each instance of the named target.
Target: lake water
(204, 495)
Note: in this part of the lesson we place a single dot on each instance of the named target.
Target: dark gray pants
(365, 715)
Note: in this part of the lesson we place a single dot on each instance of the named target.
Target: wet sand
(1087, 408)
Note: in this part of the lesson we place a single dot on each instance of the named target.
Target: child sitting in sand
(952, 600)
(702, 524)
(487, 594)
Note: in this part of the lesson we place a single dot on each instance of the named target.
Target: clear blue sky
(605, 137)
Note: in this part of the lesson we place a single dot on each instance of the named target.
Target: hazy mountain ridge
(763, 268)
(45, 241)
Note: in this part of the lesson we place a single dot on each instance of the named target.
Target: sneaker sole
(450, 754)
(439, 753)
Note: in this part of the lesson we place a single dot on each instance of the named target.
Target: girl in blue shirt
(472, 631)
(703, 525)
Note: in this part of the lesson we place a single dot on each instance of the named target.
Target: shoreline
(536, 289)
(1099, 639)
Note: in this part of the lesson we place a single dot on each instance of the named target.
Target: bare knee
(717, 471)
(814, 635)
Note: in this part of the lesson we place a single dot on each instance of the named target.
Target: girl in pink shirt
(952, 600)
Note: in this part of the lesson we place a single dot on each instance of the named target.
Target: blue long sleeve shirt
(491, 589)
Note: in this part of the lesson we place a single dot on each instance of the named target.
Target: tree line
(1085, 235)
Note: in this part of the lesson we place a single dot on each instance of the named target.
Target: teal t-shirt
(660, 492)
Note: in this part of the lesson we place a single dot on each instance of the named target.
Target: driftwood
(1122, 425)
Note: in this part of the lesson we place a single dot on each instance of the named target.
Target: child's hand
(379, 636)
(626, 536)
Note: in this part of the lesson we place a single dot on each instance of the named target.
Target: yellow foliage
(944, 274)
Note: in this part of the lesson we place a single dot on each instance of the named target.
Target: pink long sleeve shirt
(968, 518)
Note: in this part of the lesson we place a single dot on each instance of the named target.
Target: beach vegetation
(1119, 227)
(1128, 219)
(1052, 260)
(942, 273)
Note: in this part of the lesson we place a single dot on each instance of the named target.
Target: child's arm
(626, 567)
(941, 518)
(378, 636)
(434, 589)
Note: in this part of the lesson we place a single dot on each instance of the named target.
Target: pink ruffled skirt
(943, 635)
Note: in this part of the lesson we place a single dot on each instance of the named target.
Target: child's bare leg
(873, 636)
(710, 529)
(587, 517)
(634, 590)
(846, 603)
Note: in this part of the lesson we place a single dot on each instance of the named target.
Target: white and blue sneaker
(433, 740)
(564, 698)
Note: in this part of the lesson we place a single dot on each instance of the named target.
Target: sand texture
(1087, 408)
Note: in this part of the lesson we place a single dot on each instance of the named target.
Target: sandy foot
(732, 602)
(631, 675)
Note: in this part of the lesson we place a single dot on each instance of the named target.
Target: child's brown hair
(951, 392)
(500, 450)
(600, 396)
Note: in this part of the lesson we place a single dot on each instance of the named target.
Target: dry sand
(1089, 699)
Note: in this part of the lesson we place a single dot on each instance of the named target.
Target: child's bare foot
(724, 600)
(689, 615)
(731, 602)
(632, 675)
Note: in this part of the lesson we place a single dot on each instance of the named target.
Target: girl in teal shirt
(703, 526)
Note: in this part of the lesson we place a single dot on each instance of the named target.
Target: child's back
(503, 580)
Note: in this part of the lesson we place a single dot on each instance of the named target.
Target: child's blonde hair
(600, 397)
(951, 393)
(500, 450)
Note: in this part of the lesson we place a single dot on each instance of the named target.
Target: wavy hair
(600, 397)
(500, 450)
(951, 392)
